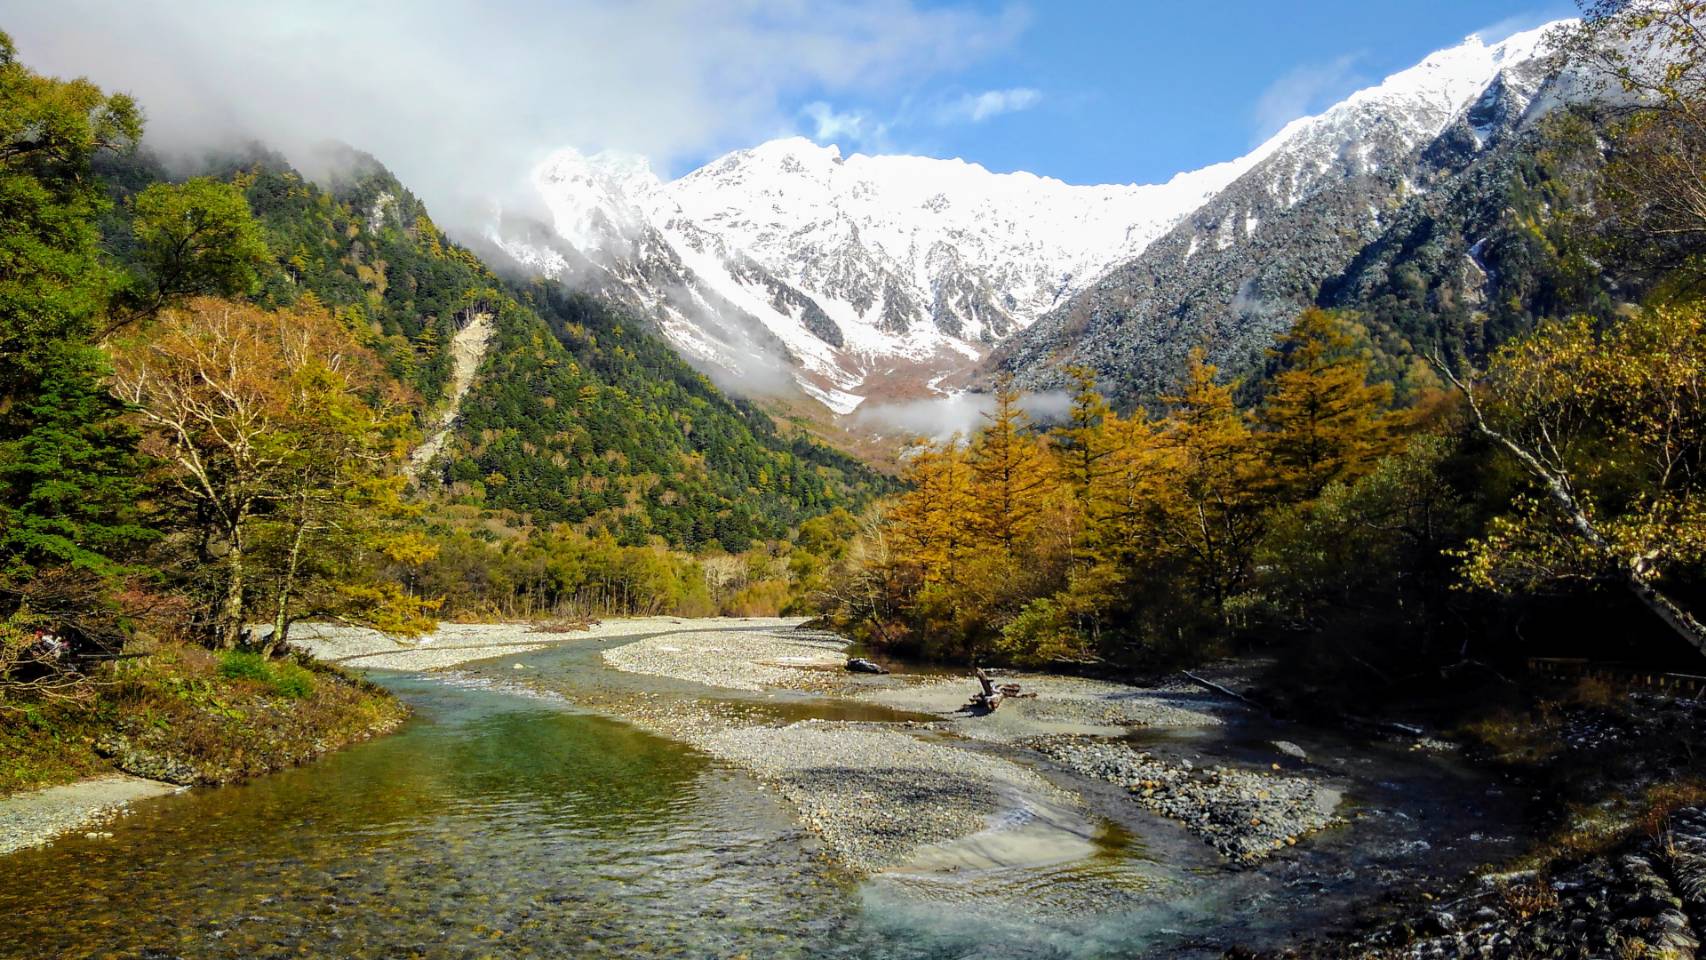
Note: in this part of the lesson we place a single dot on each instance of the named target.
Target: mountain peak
(877, 274)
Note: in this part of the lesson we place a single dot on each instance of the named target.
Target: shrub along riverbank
(187, 715)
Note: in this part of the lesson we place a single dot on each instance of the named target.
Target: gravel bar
(1246, 815)
(34, 818)
(876, 795)
(454, 644)
(781, 657)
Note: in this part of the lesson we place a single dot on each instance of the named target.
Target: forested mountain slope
(575, 414)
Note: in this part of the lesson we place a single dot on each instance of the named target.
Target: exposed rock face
(792, 259)
(467, 352)
(791, 267)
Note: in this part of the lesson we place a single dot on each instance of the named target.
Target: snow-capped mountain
(844, 271)
(858, 277)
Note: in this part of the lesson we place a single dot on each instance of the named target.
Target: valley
(816, 480)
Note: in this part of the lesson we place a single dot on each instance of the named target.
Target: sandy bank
(453, 644)
(31, 819)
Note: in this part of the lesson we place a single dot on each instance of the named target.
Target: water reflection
(489, 827)
(499, 826)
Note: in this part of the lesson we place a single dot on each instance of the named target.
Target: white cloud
(1303, 90)
(978, 107)
(461, 97)
(851, 128)
(857, 128)
(962, 414)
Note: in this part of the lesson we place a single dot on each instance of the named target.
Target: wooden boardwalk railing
(1621, 674)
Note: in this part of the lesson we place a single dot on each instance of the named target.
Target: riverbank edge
(170, 720)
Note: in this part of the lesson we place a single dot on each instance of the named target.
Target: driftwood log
(1220, 688)
(989, 696)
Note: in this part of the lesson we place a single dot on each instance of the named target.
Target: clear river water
(496, 825)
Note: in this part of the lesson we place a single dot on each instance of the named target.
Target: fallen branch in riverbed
(990, 696)
(1221, 689)
(862, 665)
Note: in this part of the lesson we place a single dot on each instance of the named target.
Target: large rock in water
(861, 665)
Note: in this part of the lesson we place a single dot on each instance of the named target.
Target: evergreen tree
(67, 498)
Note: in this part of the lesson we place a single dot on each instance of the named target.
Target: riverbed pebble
(1246, 815)
(876, 795)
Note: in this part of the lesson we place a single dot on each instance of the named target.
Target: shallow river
(498, 826)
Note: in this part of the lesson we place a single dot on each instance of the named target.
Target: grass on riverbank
(187, 715)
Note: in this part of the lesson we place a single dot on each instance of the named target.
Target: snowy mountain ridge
(856, 277)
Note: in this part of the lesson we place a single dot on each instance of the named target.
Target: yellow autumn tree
(1610, 425)
(1323, 421)
(1082, 444)
(929, 525)
(1011, 474)
(280, 453)
(1212, 508)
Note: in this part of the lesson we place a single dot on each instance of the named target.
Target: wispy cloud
(1516, 23)
(853, 128)
(1303, 90)
(869, 130)
(978, 107)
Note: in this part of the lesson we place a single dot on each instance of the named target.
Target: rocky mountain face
(1236, 270)
(791, 268)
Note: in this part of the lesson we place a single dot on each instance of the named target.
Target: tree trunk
(1636, 572)
(281, 618)
(1678, 619)
(231, 607)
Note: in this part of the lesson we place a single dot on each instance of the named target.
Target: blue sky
(462, 98)
(1135, 91)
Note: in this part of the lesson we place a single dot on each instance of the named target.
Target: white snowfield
(921, 265)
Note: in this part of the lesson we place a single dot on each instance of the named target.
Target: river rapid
(515, 817)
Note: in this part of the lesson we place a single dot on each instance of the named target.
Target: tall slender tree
(1215, 474)
(1011, 480)
(1323, 421)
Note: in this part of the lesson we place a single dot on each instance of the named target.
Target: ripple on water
(501, 826)
(507, 831)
